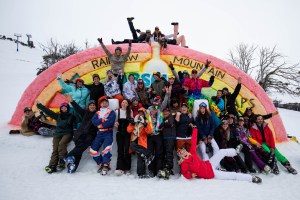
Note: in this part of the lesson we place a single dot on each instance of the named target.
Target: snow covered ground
(23, 159)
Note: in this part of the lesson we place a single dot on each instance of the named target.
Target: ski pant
(168, 146)
(215, 161)
(155, 146)
(278, 155)
(59, 151)
(250, 156)
(186, 143)
(124, 157)
(105, 139)
(81, 144)
(214, 145)
(140, 150)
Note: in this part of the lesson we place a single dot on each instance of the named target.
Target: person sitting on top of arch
(111, 88)
(117, 60)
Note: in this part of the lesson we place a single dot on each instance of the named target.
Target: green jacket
(65, 122)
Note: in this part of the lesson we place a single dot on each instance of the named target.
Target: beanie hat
(64, 104)
(92, 102)
(157, 74)
(27, 109)
(79, 80)
(118, 48)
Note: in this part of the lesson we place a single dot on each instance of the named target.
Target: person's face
(230, 119)
(131, 78)
(156, 78)
(79, 84)
(219, 94)
(166, 113)
(194, 74)
(124, 103)
(92, 107)
(110, 74)
(140, 84)
(135, 103)
(175, 105)
(64, 109)
(184, 110)
(249, 112)
(185, 155)
(118, 52)
(153, 111)
(171, 81)
(260, 120)
(202, 110)
(96, 80)
(140, 113)
(241, 122)
(104, 104)
(225, 92)
(28, 113)
(225, 126)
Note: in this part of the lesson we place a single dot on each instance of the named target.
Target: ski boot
(290, 169)
(266, 170)
(256, 179)
(70, 160)
(238, 149)
(144, 176)
(50, 169)
(164, 173)
(61, 165)
(105, 169)
(148, 159)
(100, 168)
(275, 169)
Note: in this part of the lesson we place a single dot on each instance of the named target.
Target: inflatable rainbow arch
(143, 60)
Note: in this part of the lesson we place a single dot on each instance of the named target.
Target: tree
(56, 52)
(272, 72)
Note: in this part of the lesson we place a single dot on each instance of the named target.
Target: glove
(207, 63)
(100, 40)
(129, 43)
(212, 78)
(171, 66)
(131, 121)
(58, 76)
(68, 81)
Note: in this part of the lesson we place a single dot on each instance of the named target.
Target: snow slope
(24, 158)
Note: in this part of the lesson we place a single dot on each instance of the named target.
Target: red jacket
(194, 164)
(257, 135)
(193, 84)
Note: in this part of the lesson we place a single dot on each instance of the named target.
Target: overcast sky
(212, 27)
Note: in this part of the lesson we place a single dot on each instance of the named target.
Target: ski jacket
(183, 130)
(225, 139)
(111, 88)
(195, 85)
(143, 132)
(105, 123)
(117, 62)
(128, 90)
(80, 95)
(243, 136)
(194, 164)
(230, 104)
(250, 119)
(86, 126)
(143, 96)
(158, 87)
(205, 127)
(268, 135)
(96, 91)
(168, 128)
(65, 122)
(219, 102)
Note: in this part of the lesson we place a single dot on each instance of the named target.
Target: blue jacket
(205, 127)
(80, 95)
(107, 122)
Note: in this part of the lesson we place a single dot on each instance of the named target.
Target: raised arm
(128, 50)
(104, 48)
(47, 111)
(204, 68)
(237, 89)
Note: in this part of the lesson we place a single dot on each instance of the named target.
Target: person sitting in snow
(139, 128)
(31, 124)
(104, 120)
(83, 136)
(263, 137)
(65, 123)
(193, 167)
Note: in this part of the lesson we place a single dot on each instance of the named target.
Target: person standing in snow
(193, 167)
(83, 136)
(65, 123)
(104, 120)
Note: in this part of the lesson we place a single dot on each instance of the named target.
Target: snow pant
(283, 160)
(140, 150)
(168, 150)
(215, 161)
(59, 151)
(81, 144)
(124, 157)
(259, 162)
(155, 146)
(215, 148)
(117, 96)
(105, 139)
(248, 156)
(44, 131)
(184, 143)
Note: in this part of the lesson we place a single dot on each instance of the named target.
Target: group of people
(156, 121)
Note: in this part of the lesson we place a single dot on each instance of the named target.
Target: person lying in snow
(193, 167)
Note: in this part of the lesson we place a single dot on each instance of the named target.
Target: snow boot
(50, 169)
(256, 179)
(275, 169)
(100, 168)
(14, 132)
(144, 176)
(70, 160)
(266, 170)
(61, 165)
(105, 169)
(119, 172)
(290, 169)
(238, 149)
(148, 159)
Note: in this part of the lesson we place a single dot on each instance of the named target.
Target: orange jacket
(142, 140)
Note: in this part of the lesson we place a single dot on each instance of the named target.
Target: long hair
(128, 109)
(204, 116)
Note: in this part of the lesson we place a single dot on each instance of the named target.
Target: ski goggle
(171, 76)
(202, 104)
